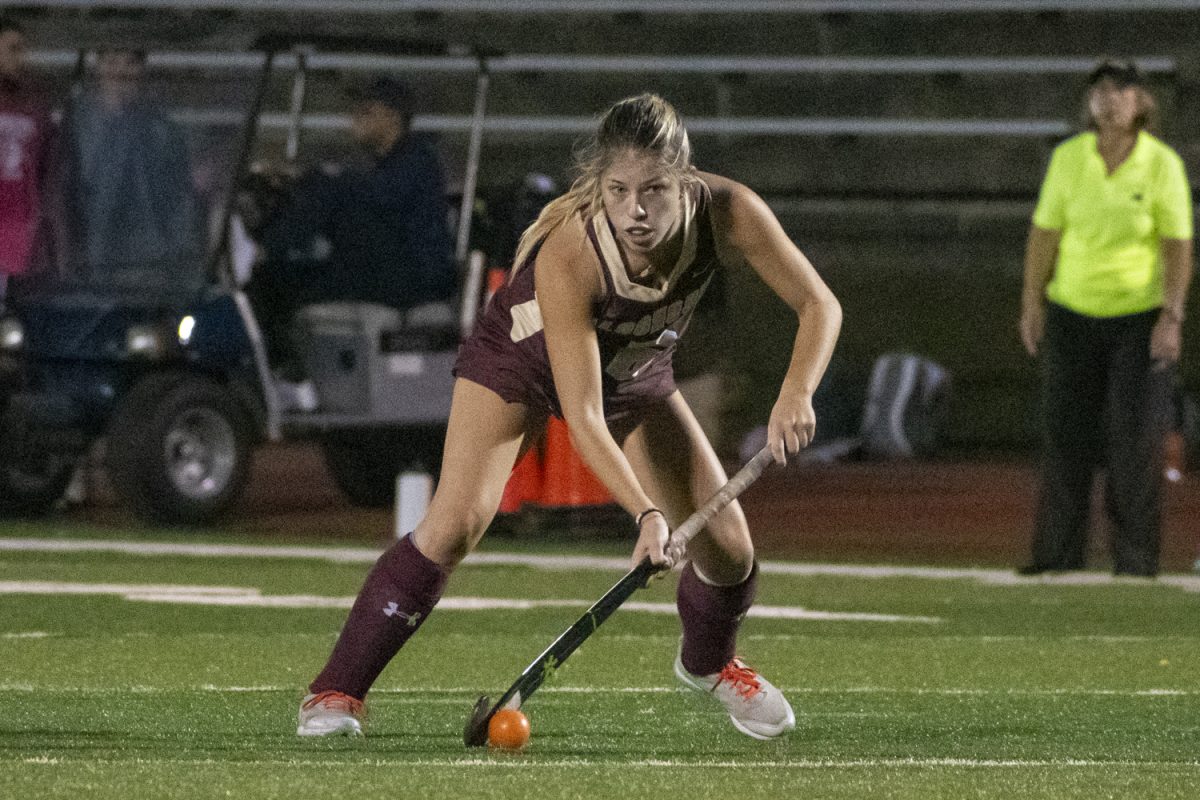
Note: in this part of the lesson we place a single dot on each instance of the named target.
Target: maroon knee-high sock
(711, 616)
(400, 591)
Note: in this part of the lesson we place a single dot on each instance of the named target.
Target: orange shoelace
(336, 701)
(744, 680)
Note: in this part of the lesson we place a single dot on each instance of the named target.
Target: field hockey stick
(475, 732)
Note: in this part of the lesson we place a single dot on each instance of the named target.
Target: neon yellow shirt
(1109, 262)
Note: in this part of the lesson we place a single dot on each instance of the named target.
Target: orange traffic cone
(566, 480)
(496, 278)
(525, 483)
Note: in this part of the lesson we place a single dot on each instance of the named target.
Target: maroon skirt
(519, 372)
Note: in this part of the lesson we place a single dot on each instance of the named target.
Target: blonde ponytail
(555, 213)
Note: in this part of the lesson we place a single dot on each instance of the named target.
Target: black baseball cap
(1121, 72)
(387, 91)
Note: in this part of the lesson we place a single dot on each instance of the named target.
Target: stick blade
(475, 733)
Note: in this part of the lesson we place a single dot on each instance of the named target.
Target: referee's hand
(1032, 325)
(1166, 341)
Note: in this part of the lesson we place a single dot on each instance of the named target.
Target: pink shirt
(25, 140)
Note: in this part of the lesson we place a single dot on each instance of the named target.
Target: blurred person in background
(132, 206)
(26, 136)
(1107, 268)
(375, 236)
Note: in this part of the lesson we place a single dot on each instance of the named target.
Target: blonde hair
(645, 122)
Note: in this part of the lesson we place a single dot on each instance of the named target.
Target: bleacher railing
(536, 125)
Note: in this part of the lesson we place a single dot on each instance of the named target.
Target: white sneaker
(756, 707)
(296, 395)
(331, 714)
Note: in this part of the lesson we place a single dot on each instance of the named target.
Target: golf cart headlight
(187, 326)
(12, 334)
(144, 340)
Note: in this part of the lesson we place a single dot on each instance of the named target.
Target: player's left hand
(792, 426)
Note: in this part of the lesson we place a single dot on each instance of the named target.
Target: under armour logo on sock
(393, 610)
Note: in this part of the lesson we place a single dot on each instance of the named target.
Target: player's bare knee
(447, 550)
(448, 539)
(727, 570)
(723, 561)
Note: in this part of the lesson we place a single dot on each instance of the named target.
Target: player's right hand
(652, 542)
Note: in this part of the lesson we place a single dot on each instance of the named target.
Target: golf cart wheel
(31, 481)
(179, 449)
(364, 463)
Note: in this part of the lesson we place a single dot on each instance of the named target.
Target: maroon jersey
(637, 325)
(24, 155)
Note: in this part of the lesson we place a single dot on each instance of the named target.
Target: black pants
(1104, 404)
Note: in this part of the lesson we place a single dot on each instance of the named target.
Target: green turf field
(131, 676)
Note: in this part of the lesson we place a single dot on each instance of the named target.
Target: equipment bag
(907, 400)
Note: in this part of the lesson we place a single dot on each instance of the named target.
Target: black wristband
(642, 515)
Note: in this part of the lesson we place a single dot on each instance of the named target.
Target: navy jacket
(388, 229)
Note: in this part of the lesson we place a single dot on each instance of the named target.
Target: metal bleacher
(881, 95)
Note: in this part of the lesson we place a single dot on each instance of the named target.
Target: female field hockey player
(605, 281)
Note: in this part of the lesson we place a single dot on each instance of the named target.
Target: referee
(1107, 268)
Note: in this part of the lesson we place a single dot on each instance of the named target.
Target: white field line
(61, 587)
(351, 555)
(454, 694)
(995, 577)
(250, 597)
(530, 761)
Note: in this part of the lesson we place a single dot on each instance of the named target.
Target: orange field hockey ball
(508, 729)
